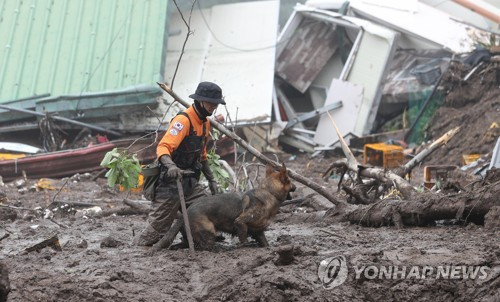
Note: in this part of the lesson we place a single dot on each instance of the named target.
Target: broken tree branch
(382, 175)
(352, 163)
(15, 208)
(138, 205)
(444, 139)
(296, 200)
(189, 33)
(52, 242)
(294, 175)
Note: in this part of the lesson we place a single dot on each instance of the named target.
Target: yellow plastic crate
(383, 155)
(435, 173)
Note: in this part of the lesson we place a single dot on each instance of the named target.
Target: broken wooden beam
(444, 139)
(52, 242)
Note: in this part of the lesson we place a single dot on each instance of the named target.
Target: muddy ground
(99, 263)
(473, 105)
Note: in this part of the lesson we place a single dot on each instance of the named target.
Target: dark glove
(214, 187)
(173, 171)
(212, 184)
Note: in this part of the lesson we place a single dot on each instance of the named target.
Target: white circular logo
(332, 271)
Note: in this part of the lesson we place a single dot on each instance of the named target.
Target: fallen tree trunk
(294, 175)
(423, 210)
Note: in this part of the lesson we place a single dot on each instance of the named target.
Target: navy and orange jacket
(179, 129)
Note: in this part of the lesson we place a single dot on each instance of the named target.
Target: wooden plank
(306, 53)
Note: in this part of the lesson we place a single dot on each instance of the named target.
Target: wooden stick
(427, 151)
(52, 242)
(15, 208)
(294, 175)
(184, 214)
(347, 152)
(296, 200)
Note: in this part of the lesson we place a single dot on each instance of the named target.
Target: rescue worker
(183, 149)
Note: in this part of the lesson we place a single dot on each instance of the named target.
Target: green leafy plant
(124, 168)
(220, 174)
(215, 135)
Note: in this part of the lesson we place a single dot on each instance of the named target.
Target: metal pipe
(62, 119)
(482, 8)
(320, 16)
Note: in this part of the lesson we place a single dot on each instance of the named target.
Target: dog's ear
(283, 173)
(269, 169)
(283, 169)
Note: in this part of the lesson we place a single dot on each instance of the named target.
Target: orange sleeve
(204, 152)
(177, 130)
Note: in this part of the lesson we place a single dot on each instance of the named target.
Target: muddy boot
(148, 237)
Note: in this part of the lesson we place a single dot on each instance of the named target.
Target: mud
(99, 263)
(474, 105)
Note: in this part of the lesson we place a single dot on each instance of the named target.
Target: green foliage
(220, 174)
(420, 189)
(215, 135)
(124, 168)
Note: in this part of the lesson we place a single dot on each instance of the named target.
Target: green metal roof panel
(76, 46)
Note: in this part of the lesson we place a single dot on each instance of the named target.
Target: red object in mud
(70, 162)
(101, 139)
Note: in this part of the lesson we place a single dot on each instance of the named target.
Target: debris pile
(473, 104)
(382, 81)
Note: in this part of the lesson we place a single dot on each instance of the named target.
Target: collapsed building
(361, 63)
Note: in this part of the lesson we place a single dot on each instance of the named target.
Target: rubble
(364, 77)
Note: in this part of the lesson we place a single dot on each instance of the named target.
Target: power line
(232, 47)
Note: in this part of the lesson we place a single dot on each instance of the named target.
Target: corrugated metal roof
(69, 46)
